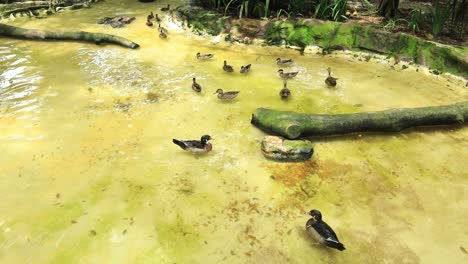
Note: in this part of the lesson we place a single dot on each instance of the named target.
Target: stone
(279, 148)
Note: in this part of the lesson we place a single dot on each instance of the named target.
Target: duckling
(195, 146)
(245, 69)
(195, 86)
(227, 68)
(165, 9)
(226, 95)
(157, 18)
(285, 62)
(151, 15)
(162, 34)
(162, 29)
(285, 92)
(204, 56)
(287, 75)
(148, 22)
(330, 81)
(322, 232)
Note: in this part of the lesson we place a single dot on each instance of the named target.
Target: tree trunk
(294, 125)
(388, 8)
(97, 38)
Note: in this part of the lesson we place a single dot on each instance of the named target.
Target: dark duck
(195, 86)
(285, 92)
(330, 81)
(148, 22)
(195, 146)
(245, 69)
(322, 232)
(165, 9)
(227, 68)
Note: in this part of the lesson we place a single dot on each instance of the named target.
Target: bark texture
(97, 38)
(294, 125)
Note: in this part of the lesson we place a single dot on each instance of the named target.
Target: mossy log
(97, 38)
(294, 125)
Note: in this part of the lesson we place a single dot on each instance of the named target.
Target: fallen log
(294, 125)
(97, 38)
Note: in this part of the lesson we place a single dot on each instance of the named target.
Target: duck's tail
(335, 244)
(179, 143)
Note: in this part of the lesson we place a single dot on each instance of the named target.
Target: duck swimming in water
(285, 62)
(285, 92)
(165, 9)
(195, 146)
(226, 95)
(330, 81)
(287, 75)
(227, 68)
(195, 86)
(162, 34)
(322, 232)
(157, 18)
(162, 29)
(245, 69)
(148, 22)
(151, 15)
(204, 56)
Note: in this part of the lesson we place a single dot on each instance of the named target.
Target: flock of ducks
(320, 230)
(151, 16)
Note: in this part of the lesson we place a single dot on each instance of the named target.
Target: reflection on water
(90, 173)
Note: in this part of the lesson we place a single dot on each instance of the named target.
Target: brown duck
(195, 86)
(227, 68)
(330, 81)
(226, 95)
(285, 92)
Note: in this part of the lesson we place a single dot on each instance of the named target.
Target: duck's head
(194, 80)
(329, 70)
(316, 215)
(280, 71)
(205, 139)
(198, 54)
(225, 62)
(278, 59)
(219, 91)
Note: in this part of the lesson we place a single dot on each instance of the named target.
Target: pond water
(89, 173)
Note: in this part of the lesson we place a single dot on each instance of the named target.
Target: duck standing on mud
(322, 232)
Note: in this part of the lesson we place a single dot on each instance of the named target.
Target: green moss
(301, 36)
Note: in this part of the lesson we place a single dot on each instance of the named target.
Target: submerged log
(294, 125)
(97, 38)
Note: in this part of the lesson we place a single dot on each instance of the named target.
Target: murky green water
(89, 173)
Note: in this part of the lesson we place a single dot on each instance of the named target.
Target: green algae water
(89, 173)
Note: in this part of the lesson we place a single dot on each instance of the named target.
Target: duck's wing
(185, 144)
(325, 231)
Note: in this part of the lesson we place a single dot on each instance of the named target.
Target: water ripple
(18, 82)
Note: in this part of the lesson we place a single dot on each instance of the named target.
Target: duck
(204, 56)
(322, 232)
(286, 75)
(165, 9)
(285, 62)
(285, 92)
(162, 34)
(226, 95)
(162, 29)
(157, 18)
(195, 146)
(330, 81)
(151, 15)
(195, 86)
(245, 69)
(148, 22)
(227, 68)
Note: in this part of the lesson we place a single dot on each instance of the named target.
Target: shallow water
(89, 173)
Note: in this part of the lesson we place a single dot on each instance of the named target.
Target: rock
(278, 148)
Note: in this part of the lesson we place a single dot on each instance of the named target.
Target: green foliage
(415, 19)
(439, 15)
(331, 9)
